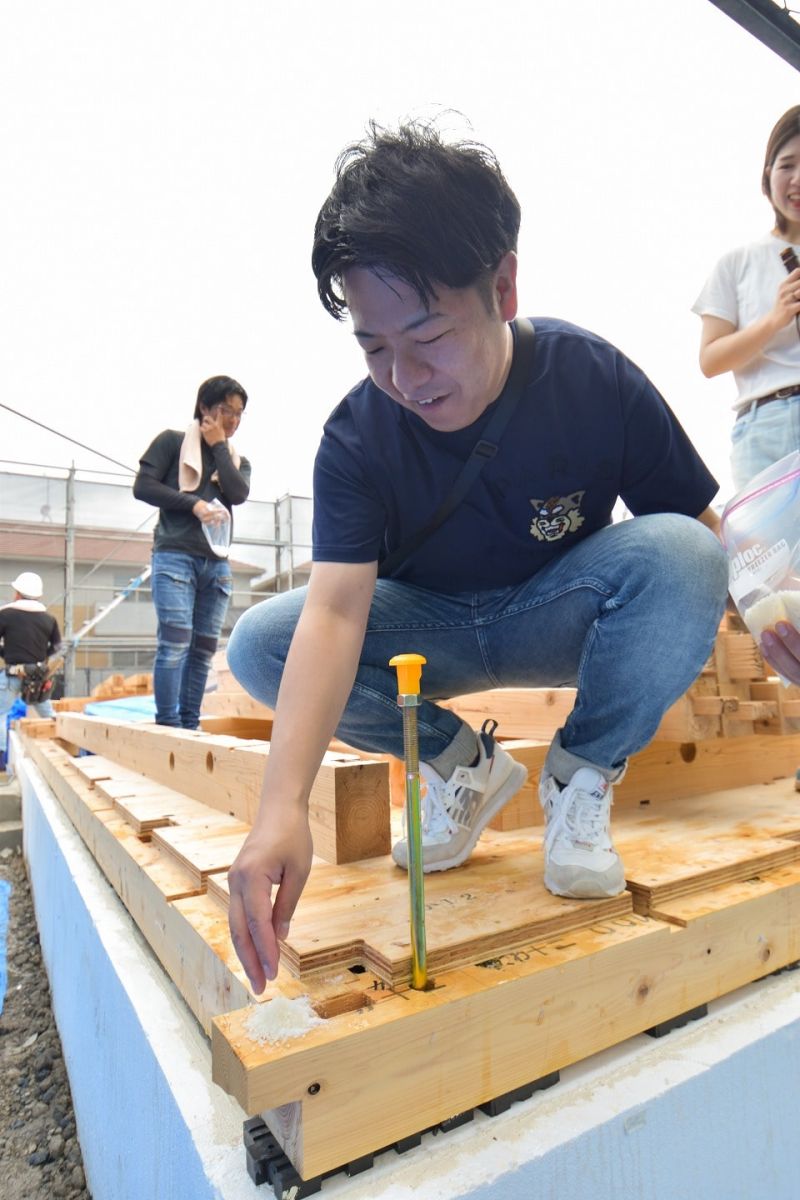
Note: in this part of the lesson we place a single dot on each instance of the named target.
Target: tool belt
(36, 684)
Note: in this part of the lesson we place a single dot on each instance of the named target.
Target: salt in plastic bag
(761, 532)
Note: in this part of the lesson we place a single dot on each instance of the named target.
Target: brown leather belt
(781, 394)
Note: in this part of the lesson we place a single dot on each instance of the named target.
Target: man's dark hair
(216, 390)
(409, 204)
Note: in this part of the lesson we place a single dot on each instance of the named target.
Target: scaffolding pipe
(69, 583)
(95, 620)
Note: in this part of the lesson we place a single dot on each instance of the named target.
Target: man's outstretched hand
(277, 853)
(781, 649)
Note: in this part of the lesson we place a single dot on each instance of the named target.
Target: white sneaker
(455, 812)
(579, 856)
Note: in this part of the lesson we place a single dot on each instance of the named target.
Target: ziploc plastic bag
(761, 532)
(218, 531)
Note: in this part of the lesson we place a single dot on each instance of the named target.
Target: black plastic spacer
(257, 1168)
(357, 1165)
(287, 1184)
(665, 1027)
(253, 1124)
(455, 1122)
(501, 1104)
(408, 1143)
(258, 1139)
(792, 966)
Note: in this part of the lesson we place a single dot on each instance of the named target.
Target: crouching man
(525, 583)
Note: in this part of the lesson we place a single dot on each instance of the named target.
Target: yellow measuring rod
(409, 675)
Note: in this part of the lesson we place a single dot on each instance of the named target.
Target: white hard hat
(29, 585)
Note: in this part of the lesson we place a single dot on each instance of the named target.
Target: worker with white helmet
(29, 634)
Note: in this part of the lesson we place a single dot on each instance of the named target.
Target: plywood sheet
(742, 893)
(676, 847)
(130, 785)
(203, 846)
(93, 767)
(158, 806)
(495, 902)
(670, 848)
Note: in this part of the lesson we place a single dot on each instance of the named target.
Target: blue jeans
(628, 616)
(191, 595)
(763, 435)
(10, 686)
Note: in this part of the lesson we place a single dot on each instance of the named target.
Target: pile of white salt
(280, 1019)
(780, 606)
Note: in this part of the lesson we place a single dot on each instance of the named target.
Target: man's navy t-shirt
(588, 428)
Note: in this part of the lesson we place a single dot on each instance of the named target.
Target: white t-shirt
(741, 288)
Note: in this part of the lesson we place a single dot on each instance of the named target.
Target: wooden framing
(235, 704)
(36, 727)
(664, 770)
(732, 698)
(490, 1028)
(524, 983)
(152, 885)
(257, 729)
(349, 803)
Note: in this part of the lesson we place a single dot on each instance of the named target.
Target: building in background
(88, 538)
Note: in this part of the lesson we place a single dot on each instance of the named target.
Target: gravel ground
(40, 1156)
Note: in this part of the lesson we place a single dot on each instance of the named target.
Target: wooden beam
(664, 771)
(523, 809)
(348, 806)
(667, 770)
(71, 703)
(536, 713)
(742, 657)
(520, 712)
(36, 727)
(528, 1009)
(188, 932)
(559, 1001)
(257, 729)
(153, 888)
(787, 700)
(235, 704)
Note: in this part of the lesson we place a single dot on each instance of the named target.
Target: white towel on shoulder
(190, 460)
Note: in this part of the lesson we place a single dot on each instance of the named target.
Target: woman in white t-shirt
(750, 308)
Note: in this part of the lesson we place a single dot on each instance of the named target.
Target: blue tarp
(5, 892)
(127, 708)
(18, 709)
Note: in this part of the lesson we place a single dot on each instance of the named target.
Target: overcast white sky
(163, 164)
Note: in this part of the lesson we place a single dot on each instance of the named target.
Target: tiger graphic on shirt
(556, 517)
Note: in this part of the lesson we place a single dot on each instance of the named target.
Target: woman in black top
(183, 474)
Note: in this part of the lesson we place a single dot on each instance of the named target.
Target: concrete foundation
(708, 1112)
(10, 813)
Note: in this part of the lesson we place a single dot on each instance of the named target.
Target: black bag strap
(482, 451)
